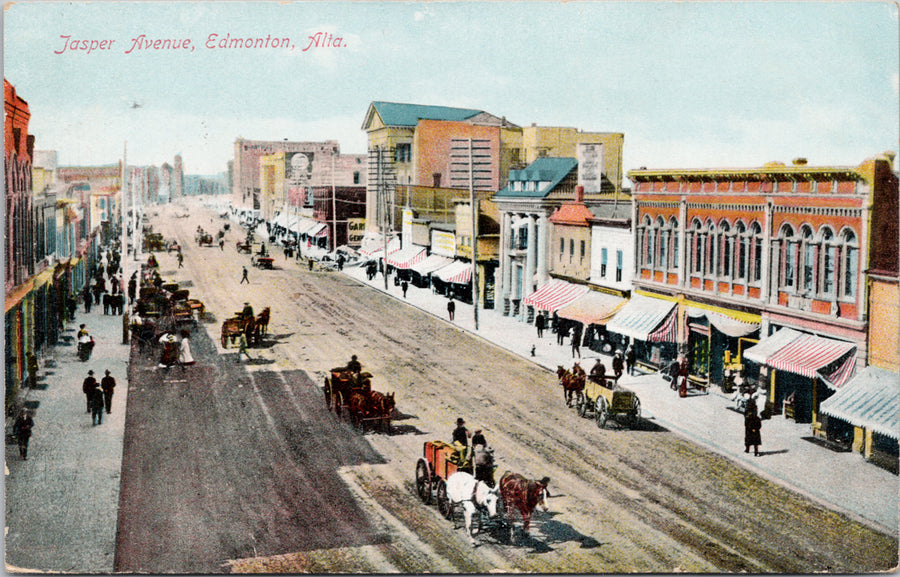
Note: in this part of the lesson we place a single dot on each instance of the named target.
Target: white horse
(463, 488)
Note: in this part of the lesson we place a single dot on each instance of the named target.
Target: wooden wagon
(262, 262)
(341, 385)
(607, 399)
(244, 247)
(438, 462)
(205, 239)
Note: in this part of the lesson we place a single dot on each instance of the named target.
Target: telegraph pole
(474, 207)
(124, 226)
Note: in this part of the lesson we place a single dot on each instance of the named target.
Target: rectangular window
(603, 262)
(403, 152)
(618, 266)
(663, 240)
(356, 177)
(790, 264)
(828, 277)
(742, 258)
(582, 251)
(757, 259)
(674, 249)
(809, 267)
(562, 246)
(650, 247)
(571, 247)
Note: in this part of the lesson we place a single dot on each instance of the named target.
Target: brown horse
(372, 406)
(522, 494)
(262, 322)
(572, 383)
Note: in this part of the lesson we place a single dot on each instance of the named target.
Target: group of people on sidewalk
(98, 395)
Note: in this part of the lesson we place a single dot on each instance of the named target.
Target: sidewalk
(842, 481)
(62, 503)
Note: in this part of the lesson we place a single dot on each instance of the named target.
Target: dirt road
(240, 467)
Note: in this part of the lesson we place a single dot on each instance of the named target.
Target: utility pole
(124, 227)
(473, 206)
(382, 205)
(333, 203)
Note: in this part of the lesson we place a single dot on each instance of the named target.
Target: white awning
(642, 316)
(431, 264)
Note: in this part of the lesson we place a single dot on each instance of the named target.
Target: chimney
(579, 194)
(890, 155)
(799, 161)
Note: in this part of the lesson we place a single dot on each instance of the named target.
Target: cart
(607, 401)
(439, 461)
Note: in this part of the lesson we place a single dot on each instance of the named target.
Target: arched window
(742, 250)
(696, 265)
(673, 228)
(726, 249)
(809, 260)
(662, 239)
(789, 257)
(829, 261)
(755, 252)
(850, 268)
(646, 236)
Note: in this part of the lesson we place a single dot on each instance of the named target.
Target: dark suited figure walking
(752, 430)
(244, 277)
(108, 385)
(22, 430)
(451, 308)
(87, 386)
(97, 405)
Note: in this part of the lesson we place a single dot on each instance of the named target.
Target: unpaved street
(240, 467)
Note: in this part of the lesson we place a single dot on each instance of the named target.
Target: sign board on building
(590, 167)
(406, 227)
(356, 228)
(443, 243)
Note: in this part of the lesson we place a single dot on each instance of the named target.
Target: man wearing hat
(108, 384)
(87, 386)
(96, 400)
(247, 313)
(22, 430)
(461, 439)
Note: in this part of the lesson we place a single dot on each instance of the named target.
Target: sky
(690, 84)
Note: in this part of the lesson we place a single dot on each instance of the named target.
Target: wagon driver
(461, 439)
(354, 366)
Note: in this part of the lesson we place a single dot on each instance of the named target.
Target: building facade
(747, 253)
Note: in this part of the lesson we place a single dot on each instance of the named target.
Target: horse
(524, 495)
(371, 405)
(262, 321)
(572, 383)
(473, 495)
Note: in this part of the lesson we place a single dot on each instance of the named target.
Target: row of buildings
(57, 220)
(786, 274)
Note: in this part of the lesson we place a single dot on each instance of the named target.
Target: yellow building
(562, 142)
(271, 184)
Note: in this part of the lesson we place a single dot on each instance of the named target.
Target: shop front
(650, 324)
(593, 310)
(551, 296)
(716, 338)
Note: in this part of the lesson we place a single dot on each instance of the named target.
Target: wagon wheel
(583, 408)
(423, 481)
(602, 412)
(327, 390)
(635, 416)
(443, 501)
(338, 400)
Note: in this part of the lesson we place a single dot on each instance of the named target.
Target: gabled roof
(543, 170)
(400, 114)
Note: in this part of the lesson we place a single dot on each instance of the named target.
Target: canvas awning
(806, 355)
(458, 272)
(592, 308)
(869, 400)
(430, 264)
(302, 225)
(406, 257)
(554, 295)
(645, 319)
(725, 323)
(374, 250)
(320, 229)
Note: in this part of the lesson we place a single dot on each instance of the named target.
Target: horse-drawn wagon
(606, 398)
(439, 461)
(253, 328)
(204, 239)
(266, 262)
(351, 391)
(244, 247)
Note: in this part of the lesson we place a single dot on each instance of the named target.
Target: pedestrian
(96, 399)
(88, 299)
(309, 262)
(562, 332)
(107, 303)
(184, 352)
(752, 428)
(108, 384)
(170, 351)
(71, 306)
(88, 385)
(598, 372)
(540, 323)
(404, 286)
(576, 340)
(222, 244)
(451, 308)
(683, 372)
(244, 276)
(85, 346)
(180, 260)
(22, 431)
(340, 262)
(618, 365)
(32, 365)
(132, 289)
(242, 348)
(630, 358)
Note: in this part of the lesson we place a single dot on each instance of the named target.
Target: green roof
(398, 114)
(545, 169)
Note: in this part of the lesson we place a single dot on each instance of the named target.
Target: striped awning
(302, 225)
(318, 229)
(376, 249)
(405, 258)
(725, 322)
(765, 348)
(592, 308)
(430, 264)
(809, 354)
(643, 317)
(554, 295)
(869, 400)
(458, 272)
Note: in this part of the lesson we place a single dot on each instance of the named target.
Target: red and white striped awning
(458, 272)
(430, 264)
(405, 258)
(376, 249)
(807, 355)
(645, 318)
(555, 294)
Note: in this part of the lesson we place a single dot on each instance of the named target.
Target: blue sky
(690, 84)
